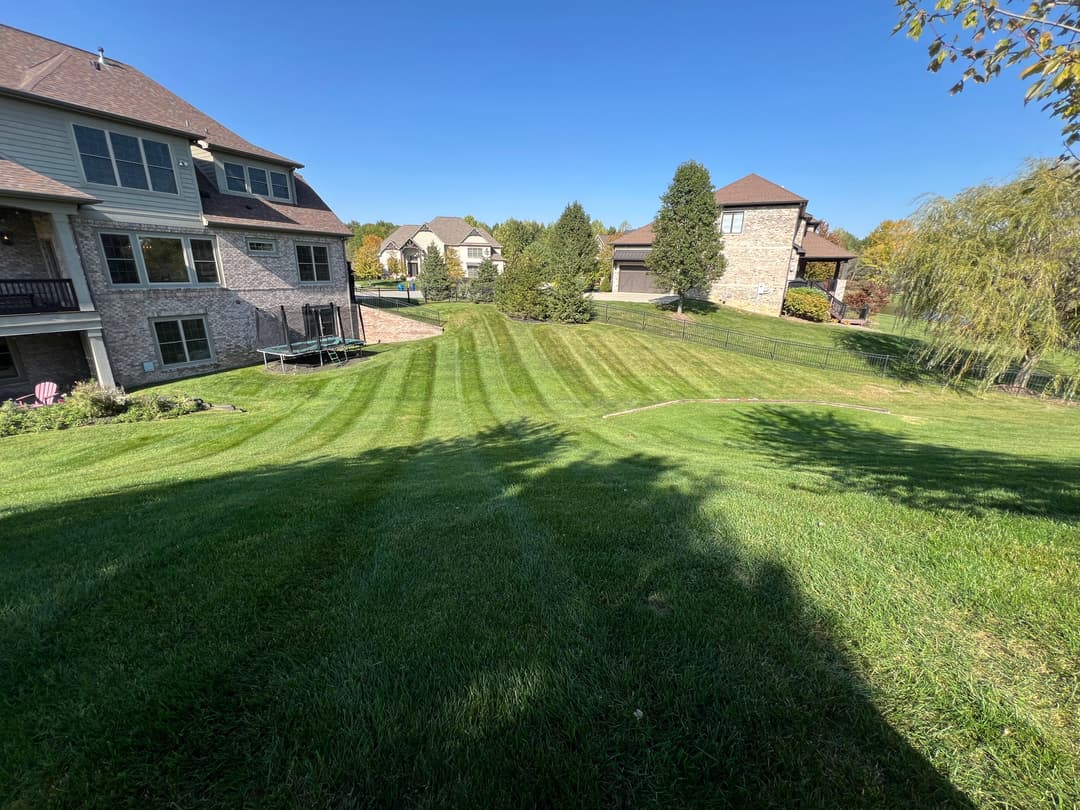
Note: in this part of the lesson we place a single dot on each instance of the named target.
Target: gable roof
(308, 215)
(455, 230)
(19, 181)
(401, 235)
(756, 190)
(815, 246)
(43, 70)
(639, 236)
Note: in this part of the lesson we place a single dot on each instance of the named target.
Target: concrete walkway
(634, 298)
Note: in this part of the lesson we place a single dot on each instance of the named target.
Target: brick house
(471, 244)
(141, 240)
(769, 238)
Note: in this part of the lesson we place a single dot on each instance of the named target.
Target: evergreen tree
(435, 276)
(687, 252)
(573, 254)
(482, 288)
(519, 291)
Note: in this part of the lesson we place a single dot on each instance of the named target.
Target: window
(120, 258)
(279, 184)
(8, 368)
(257, 181)
(314, 262)
(164, 260)
(182, 341)
(137, 162)
(159, 259)
(476, 253)
(202, 257)
(234, 177)
(471, 270)
(731, 222)
(262, 246)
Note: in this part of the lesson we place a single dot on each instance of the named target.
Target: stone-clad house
(472, 245)
(140, 239)
(768, 240)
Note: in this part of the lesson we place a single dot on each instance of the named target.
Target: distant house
(769, 239)
(472, 245)
(140, 239)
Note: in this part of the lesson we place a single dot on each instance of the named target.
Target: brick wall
(57, 358)
(22, 259)
(760, 255)
(383, 326)
(252, 291)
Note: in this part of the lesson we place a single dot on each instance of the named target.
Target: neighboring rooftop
(44, 70)
(450, 230)
(19, 181)
(756, 190)
(638, 236)
(309, 214)
(400, 235)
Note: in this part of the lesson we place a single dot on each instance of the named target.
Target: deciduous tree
(687, 250)
(996, 272)
(516, 235)
(454, 268)
(365, 260)
(881, 249)
(1038, 38)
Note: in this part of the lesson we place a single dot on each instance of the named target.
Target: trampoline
(336, 347)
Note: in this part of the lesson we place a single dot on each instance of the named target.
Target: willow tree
(995, 272)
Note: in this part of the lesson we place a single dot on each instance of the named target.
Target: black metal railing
(407, 307)
(27, 296)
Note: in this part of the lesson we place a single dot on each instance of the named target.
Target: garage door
(637, 279)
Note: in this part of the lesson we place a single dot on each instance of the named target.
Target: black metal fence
(25, 296)
(408, 306)
(807, 354)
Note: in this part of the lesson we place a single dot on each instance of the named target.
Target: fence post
(885, 366)
(684, 330)
(827, 353)
(643, 315)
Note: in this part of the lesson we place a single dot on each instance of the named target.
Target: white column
(96, 353)
(69, 259)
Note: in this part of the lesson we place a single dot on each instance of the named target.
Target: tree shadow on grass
(915, 474)
(503, 619)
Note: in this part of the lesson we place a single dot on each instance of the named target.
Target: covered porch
(817, 253)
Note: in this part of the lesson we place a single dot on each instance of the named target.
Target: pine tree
(434, 275)
(573, 253)
(687, 252)
(483, 286)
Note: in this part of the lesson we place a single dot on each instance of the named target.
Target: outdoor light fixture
(6, 238)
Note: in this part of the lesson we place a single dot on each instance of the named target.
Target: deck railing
(29, 296)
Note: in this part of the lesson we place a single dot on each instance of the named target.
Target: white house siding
(41, 138)
(253, 289)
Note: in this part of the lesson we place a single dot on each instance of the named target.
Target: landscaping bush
(482, 289)
(435, 282)
(89, 403)
(810, 305)
(866, 293)
(566, 302)
(518, 291)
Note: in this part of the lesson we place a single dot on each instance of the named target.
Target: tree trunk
(680, 304)
(1026, 367)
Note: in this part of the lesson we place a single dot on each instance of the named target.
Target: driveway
(633, 297)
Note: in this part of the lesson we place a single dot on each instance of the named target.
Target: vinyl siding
(41, 138)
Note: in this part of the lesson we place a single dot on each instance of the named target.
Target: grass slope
(439, 577)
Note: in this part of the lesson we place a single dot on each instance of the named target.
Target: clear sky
(409, 111)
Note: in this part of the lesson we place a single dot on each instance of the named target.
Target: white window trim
(176, 319)
(112, 157)
(247, 192)
(742, 221)
(274, 251)
(329, 263)
(140, 266)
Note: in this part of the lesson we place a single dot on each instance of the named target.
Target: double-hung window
(314, 263)
(476, 253)
(114, 159)
(731, 222)
(141, 259)
(182, 340)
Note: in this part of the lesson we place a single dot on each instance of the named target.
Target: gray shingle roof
(309, 215)
(401, 235)
(19, 181)
(454, 231)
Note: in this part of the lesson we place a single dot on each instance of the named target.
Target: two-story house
(140, 239)
(471, 244)
(769, 239)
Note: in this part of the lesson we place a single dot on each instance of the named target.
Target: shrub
(88, 400)
(810, 305)
(866, 293)
(518, 290)
(565, 300)
(482, 288)
(435, 280)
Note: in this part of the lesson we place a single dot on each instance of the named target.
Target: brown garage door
(635, 278)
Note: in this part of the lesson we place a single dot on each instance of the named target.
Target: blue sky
(512, 110)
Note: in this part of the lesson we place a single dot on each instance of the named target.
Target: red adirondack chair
(45, 393)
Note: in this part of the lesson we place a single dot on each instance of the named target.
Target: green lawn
(439, 577)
